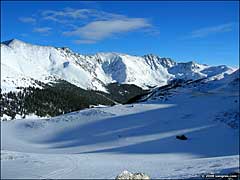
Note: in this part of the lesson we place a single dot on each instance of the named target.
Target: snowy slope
(103, 141)
(44, 63)
(218, 83)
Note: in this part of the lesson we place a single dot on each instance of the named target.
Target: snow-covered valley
(101, 142)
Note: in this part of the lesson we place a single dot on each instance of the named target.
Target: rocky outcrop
(128, 175)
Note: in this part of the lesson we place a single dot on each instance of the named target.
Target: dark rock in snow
(182, 137)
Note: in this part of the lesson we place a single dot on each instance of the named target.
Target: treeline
(52, 100)
(60, 98)
(122, 93)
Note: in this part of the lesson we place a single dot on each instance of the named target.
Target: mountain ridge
(46, 63)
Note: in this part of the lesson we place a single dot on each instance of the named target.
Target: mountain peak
(165, 62)
(151, 56)
(66, 49)
(12, 41)
(191, 62)
(16, 42)
(95, 71)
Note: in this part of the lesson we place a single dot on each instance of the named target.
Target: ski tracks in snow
(70, 165)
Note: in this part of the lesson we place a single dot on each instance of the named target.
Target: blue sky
(206, 32)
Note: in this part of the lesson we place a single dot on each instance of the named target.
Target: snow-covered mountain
(226, 84)
(23, 63)
(198, 101)
(101, 142)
